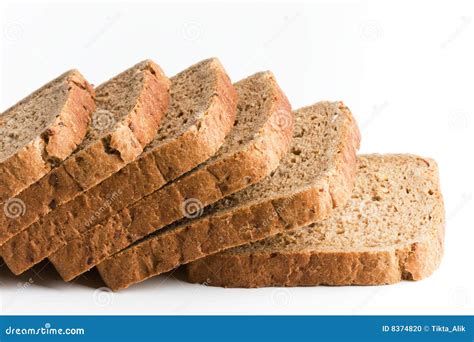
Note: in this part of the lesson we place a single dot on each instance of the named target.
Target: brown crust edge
(75, 178)
(126, 143)
(263, 155)
(415, 261)
(40, 155)
(213, 234)
(218, 122)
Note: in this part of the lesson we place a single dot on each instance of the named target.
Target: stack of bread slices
(144, 174)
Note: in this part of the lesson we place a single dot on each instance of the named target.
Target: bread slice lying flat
(40, 131)
(201, 113)
(259, 139)
(391, 229)
(316, 176)
(129, 110)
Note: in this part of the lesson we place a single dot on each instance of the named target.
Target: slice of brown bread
(259, 139)
(391, 229)
(315, 177)
(39, 132)
(201, 114)
(129, 110)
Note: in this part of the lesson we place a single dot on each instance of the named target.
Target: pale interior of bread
(314, 148)
(115, 99)
(255, 98)
(395, 203)
(191, 92)
(31, 117)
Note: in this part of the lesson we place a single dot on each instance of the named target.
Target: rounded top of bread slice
(119, 102)
(262, 107)
(322, 132)
(130, 108)
(35, 115)
(200, 115)
(42, 130)
(191, 95)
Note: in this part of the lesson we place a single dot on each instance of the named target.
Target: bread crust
(96, 161)
(254, 221)
(413, 260)
(138, 179)
(41, 154)
(225, 175)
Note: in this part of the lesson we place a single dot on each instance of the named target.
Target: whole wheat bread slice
(129, 110)
(316, 176)
(201, 114)
(391, 229)
(39, 132)
(259, 139)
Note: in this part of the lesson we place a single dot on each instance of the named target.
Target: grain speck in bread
(316, 176)
(257, 142)
(129, 109)
(391, 229)
(42, 130)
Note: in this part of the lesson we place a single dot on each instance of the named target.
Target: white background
(405, 69)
